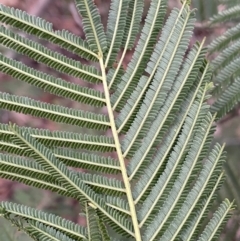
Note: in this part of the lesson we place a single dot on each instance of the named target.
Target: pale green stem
(120, 155)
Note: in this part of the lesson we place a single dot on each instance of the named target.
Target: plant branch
(120, 155)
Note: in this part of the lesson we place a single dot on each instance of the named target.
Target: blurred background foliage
(206, 9)
(63, 15)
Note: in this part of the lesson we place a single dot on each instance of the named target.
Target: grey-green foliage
(205, 9)
(224, 55)
(8, 233)
(225, 50)
(157, 112)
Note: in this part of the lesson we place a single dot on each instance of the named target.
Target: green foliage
(43, 29)
(226, 63)
(205, 9)
(224, 55)
(51, 84)
(44, 55)
(8, 233)
(162, 174)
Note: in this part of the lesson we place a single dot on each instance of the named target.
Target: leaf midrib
(126, 182)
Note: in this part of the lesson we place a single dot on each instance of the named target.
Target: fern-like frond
(28, 172)
(92, 224)
(72, 158)
(102, 184)
(117, 203)
(175, 158)
(226, 64)
(223, 78)
(64, 139)
(226, 15)
(222, 42)
(157, 65)
(195, 221)
(147, 179)
(48, 57)
(219, 218)
(32, 174)
(88, 161)
(141, 54)
(157, 175)
(131, 142)
(92, 26)
(39, 231)
(135, 10)
(51, 84)
(53, 112)
(45, 158)
(115, 29)
(192, 198)
(103, 231)
(227, 100)
(20, 211)
(117, 78)
(69, 179)
(43, 29)
(226, 56)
